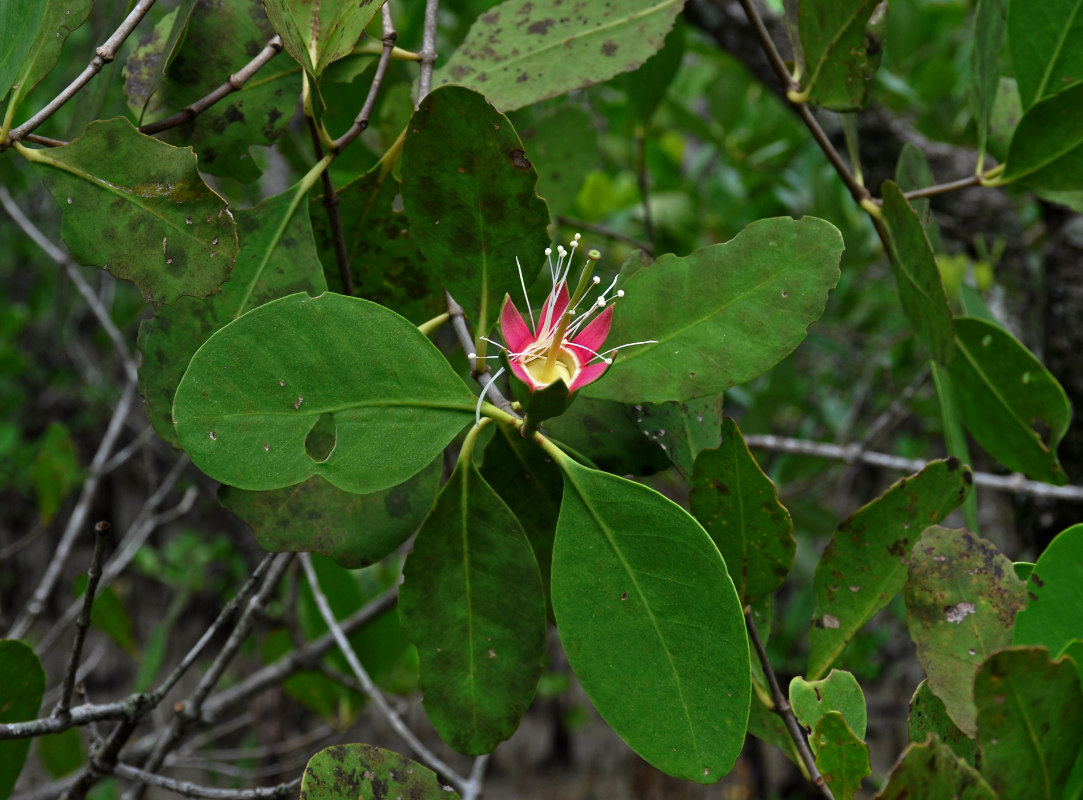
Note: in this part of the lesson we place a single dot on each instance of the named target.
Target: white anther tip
(596, 280)
(609, 361)
(620, 293)
(549, 251)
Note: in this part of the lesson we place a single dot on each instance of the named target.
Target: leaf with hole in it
(139, 208)
(472, 602)
(841, 756)
(921, 289)
(841, 42)
(682, 430)
(931, 771)
(838, 692)
(468, 190)
(864, 565)
(1046, 150)
(1009, 401)
(319, 32)
(523, 51)
(722, 315)
(22, 684)
(277, 257)
(738, 506)
(361, 770)
(961, 600)
(1055, 604)
(1046, 43)
(651, 624)
(32, 35)
(929, 716)
(257, 388)
(355, 530)
(1030, 722)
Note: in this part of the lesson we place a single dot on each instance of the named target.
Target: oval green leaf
(838, 692)
(139, 208)
(1054, 610)
(468, 190)
(864, 565)
(1046, 48)
(523, 51)
(22, 684)
(738, 506)
(361, 770)
(319, 32)
(932, 772)
(472, 603)
(651, 624)
(1010, 403)
(32, 35)
(841, 756)
(961, 600)
(722, 315)
(1046, 150)
(256, 388)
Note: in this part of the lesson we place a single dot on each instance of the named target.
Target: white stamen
(522, 283)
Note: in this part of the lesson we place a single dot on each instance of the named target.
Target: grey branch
(428, 49)
(362, 120)
(103, 55)
(188, 789)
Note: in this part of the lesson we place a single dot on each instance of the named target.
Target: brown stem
(944, 188)
(330, 205)
(484, 377)
(782, 708)
(362, 120)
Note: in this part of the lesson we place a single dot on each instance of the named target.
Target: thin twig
(101, 535)
(466, 341)
(102, 56)
(782, 708)
(78, 516)
(103, 760)
(362, 120)
(944, 188)
(608, 233)
(428, 50)
(1016, 482)
(334, 220)
(189, 789)
(235, 83)
(430, 759)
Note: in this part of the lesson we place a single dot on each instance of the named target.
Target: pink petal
(516, 334)
(559, 307)
(593, 336)
(522, 374)
(588, 375)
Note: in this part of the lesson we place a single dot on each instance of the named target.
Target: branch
(235, 83)
(362, 120)
(103, 55)
(374, 694)
(466, 341)
(428, 49)
(188, 789)
(334, 220)
(854, 453)
(782, 708)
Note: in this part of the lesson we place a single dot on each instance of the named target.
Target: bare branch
(374, 694)
(466, 341)
(104, 54)
(188, 789)
(330, 206)
(362, 120)
(428, 49)
(235, 83)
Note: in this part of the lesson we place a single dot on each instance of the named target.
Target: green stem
(431, 325)
(467, 449)
(560, 458)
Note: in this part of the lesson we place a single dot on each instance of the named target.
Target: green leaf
(913, 172)
(954, 436)
(153, 53)
(563, 147)
(985, 69)
(961, 600)
(472, 603)
(864, 565)
(319, 32)
(361, 770)
(354, 530)
(651, 624)
(838, 692)
(722, 315)
(1010, 403)
(605, 432)
(139, 208)
(841, 756)
(647, 86)
(22, 684)
(738, 507)
(277, 257)
(218, 41)
(682, 430)
(1046, 150)
(60, 753)
(1055, 606)
(920, 288)
(1030, 722)
(55, 470)
(35, 33)
(1046, 47)
(841, 42)
(929, 716)
(523, 51)
(257, 387)
(376, 234)
(468, 190)
(931, 771)
(530, 483)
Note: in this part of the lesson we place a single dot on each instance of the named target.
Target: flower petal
(588, 374)
(593, 335)
(516, 334)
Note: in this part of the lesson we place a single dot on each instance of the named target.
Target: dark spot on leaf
(519, 160)
(609, 47)
(624, 595)
(952, 463)
(1037, 581)
(541, 26)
